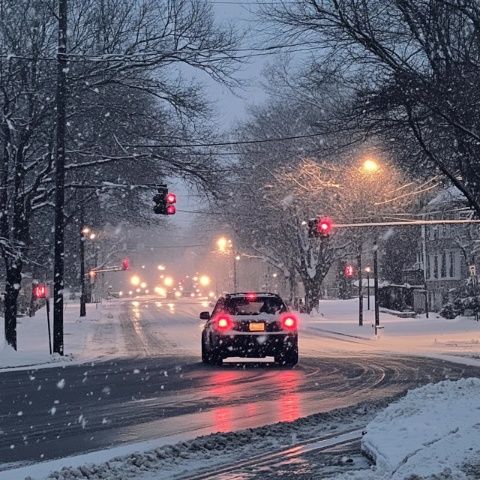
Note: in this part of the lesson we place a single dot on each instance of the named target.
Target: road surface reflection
(229, 387)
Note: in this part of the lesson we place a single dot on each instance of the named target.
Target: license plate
(256, 326)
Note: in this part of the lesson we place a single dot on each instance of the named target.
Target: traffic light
(324, 227)
(125, 264)
(40, 291)
(164, 202)
(170, 200)
(348, 271)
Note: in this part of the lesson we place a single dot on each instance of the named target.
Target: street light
(367, 271)
(222, 243)
(204, 280)
(168, 281)
(370, 166)
(225, 246)
(85, 232)
(135, 280)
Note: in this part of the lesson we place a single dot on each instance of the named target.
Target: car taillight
(289, 322)
(223, 323)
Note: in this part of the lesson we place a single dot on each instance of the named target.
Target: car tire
(288, 358)
(205, 354)
(215, 359)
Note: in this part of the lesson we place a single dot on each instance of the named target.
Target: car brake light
(251, 297)
(289, 322)
(223, 323)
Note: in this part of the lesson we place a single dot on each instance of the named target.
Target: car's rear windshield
(257, 306)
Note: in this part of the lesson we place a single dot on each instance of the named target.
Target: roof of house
(448, 195)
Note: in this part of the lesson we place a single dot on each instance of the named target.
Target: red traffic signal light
(40, 291)
(324, 226)
(125, 264)
(348, 271)
(170, 199)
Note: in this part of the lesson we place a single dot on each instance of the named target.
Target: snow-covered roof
(449, 195)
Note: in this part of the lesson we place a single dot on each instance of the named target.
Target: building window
(444, 264)
(435, 266)
(451, 272)
(429, 263)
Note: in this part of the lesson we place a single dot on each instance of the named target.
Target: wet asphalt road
(56, 412)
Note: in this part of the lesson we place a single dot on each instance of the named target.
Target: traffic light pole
(83, 294)
(360, 288)
(59, 238)
(375, 286)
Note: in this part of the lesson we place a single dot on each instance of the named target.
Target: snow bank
(433, 432)
(82, 343)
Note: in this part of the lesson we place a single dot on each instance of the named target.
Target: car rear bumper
(254, 345)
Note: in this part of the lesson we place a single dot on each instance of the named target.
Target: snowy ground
(337, 322)
(429, 423)
(92, 337)
(424, 435)
(102, 334)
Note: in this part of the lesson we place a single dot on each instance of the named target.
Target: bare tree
(126, 93)
(410, 68)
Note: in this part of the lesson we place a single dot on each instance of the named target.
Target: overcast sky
(232, 107)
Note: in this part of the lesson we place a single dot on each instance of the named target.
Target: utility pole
(59, 247)
(235, 272)
(424, 255)
(368, 270)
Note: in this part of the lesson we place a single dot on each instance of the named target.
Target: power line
(224, 144)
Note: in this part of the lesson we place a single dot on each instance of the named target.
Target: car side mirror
(205, 316)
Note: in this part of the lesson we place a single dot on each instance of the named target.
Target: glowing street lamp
(204, 280)
(168, 281)
(135, 280)
(370, 166)
(143, 285)
(222, 244)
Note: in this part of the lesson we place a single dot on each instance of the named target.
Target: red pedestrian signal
(324, 227)
(125, 264)
(348, 271)
(40, 291)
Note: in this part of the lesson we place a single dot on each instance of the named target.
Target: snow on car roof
(257, 294)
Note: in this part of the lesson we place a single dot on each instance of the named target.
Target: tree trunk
(313, 293)
(12, 289)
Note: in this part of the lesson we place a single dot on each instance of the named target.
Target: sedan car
(253, 325)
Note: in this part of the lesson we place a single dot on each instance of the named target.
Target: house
(446, 250)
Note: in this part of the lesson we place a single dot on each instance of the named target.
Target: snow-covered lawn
(95, 336)
(435, 336)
